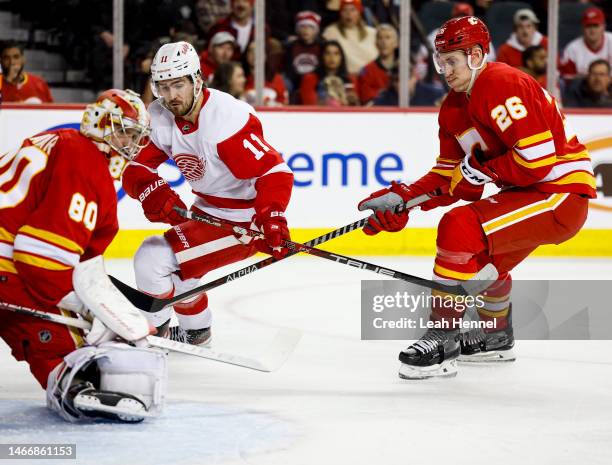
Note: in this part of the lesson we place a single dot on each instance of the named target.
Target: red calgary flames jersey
(521, 130)
(57, 204)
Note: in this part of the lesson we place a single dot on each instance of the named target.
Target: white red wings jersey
(522, 132)
(225, 158)
(577, 56)
(57, 205)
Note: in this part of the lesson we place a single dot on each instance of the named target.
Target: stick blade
(283, 345)
(481, 280)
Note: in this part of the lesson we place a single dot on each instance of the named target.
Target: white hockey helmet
(117, 120)
(175, 60)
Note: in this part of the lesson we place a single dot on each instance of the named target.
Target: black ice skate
(480, 347)
(197, 337)
(88, 401)
(434, 355)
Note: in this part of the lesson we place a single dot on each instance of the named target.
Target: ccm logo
(150, 188)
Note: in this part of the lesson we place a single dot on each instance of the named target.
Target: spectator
(358, 41)
(274, 92)
(303, 54)
(374, 77)
(330, 84)
(208, 12)
(535, 59)
(595, 43)
(220, 50)
(240, 24)
(421, 93)
(229, 77)
(594, 90)
(19, 86)
(525, 34)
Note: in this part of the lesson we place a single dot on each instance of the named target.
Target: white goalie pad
(141, 372)
(106, 302)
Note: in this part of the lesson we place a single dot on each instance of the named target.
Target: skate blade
(446, 369)
(493, 356)
(127, 410)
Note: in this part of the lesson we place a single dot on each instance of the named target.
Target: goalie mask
(176, 60)
(119, 120)
(461, 34)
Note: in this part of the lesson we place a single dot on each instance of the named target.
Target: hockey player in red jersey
(217, 142)
(497, 125)
(58, 207)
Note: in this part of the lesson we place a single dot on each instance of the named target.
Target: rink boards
(338, 158)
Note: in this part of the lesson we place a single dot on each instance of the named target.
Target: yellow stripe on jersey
(550, 160)
(7, 265)
(583, 155)
(442, 172)
(534, 139)
(53, 238)
(6, 236)
(576, 178)
(523, 213)
(74, 332)
(441, 271)
(39, 262)
(488, 298)
(447, 160)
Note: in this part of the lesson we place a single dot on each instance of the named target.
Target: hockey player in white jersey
(217, 142)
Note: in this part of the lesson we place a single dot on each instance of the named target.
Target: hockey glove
(158, 201)
(469, 178)
(383, 202)
(274, 227)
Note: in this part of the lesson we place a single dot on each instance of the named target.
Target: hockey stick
(471, 287)
(151, 304)
(275, 355)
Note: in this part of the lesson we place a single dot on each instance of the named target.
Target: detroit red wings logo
(192, 166)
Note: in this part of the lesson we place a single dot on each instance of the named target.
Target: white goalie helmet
(118, 120)
(175, 60)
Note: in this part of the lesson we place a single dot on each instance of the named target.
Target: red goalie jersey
(524, 136)
(57, 204)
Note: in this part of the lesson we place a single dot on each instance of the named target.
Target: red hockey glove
(274, 227)
(469, 178)
(383, 202)
(158, 201)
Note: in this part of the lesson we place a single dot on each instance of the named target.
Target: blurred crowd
(318, 52)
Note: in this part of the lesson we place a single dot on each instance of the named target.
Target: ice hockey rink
(338, 399)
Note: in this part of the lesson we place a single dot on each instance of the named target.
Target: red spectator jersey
(275, 92)
(373, 78)
(521, 130)
(511, 52)
(232, 170)
(207, 67)
(32, 90)
(57, 205)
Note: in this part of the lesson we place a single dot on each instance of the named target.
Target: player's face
(456, 71)
(386, 42)
(12, 61)
(222, 53)
(177, 94)
(128, 141)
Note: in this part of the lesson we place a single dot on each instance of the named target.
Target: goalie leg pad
(108, 373)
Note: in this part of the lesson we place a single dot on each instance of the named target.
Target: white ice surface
(338, 399)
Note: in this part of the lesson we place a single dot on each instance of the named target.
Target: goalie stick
(473, 286)
(272, 359)
(151, 304)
